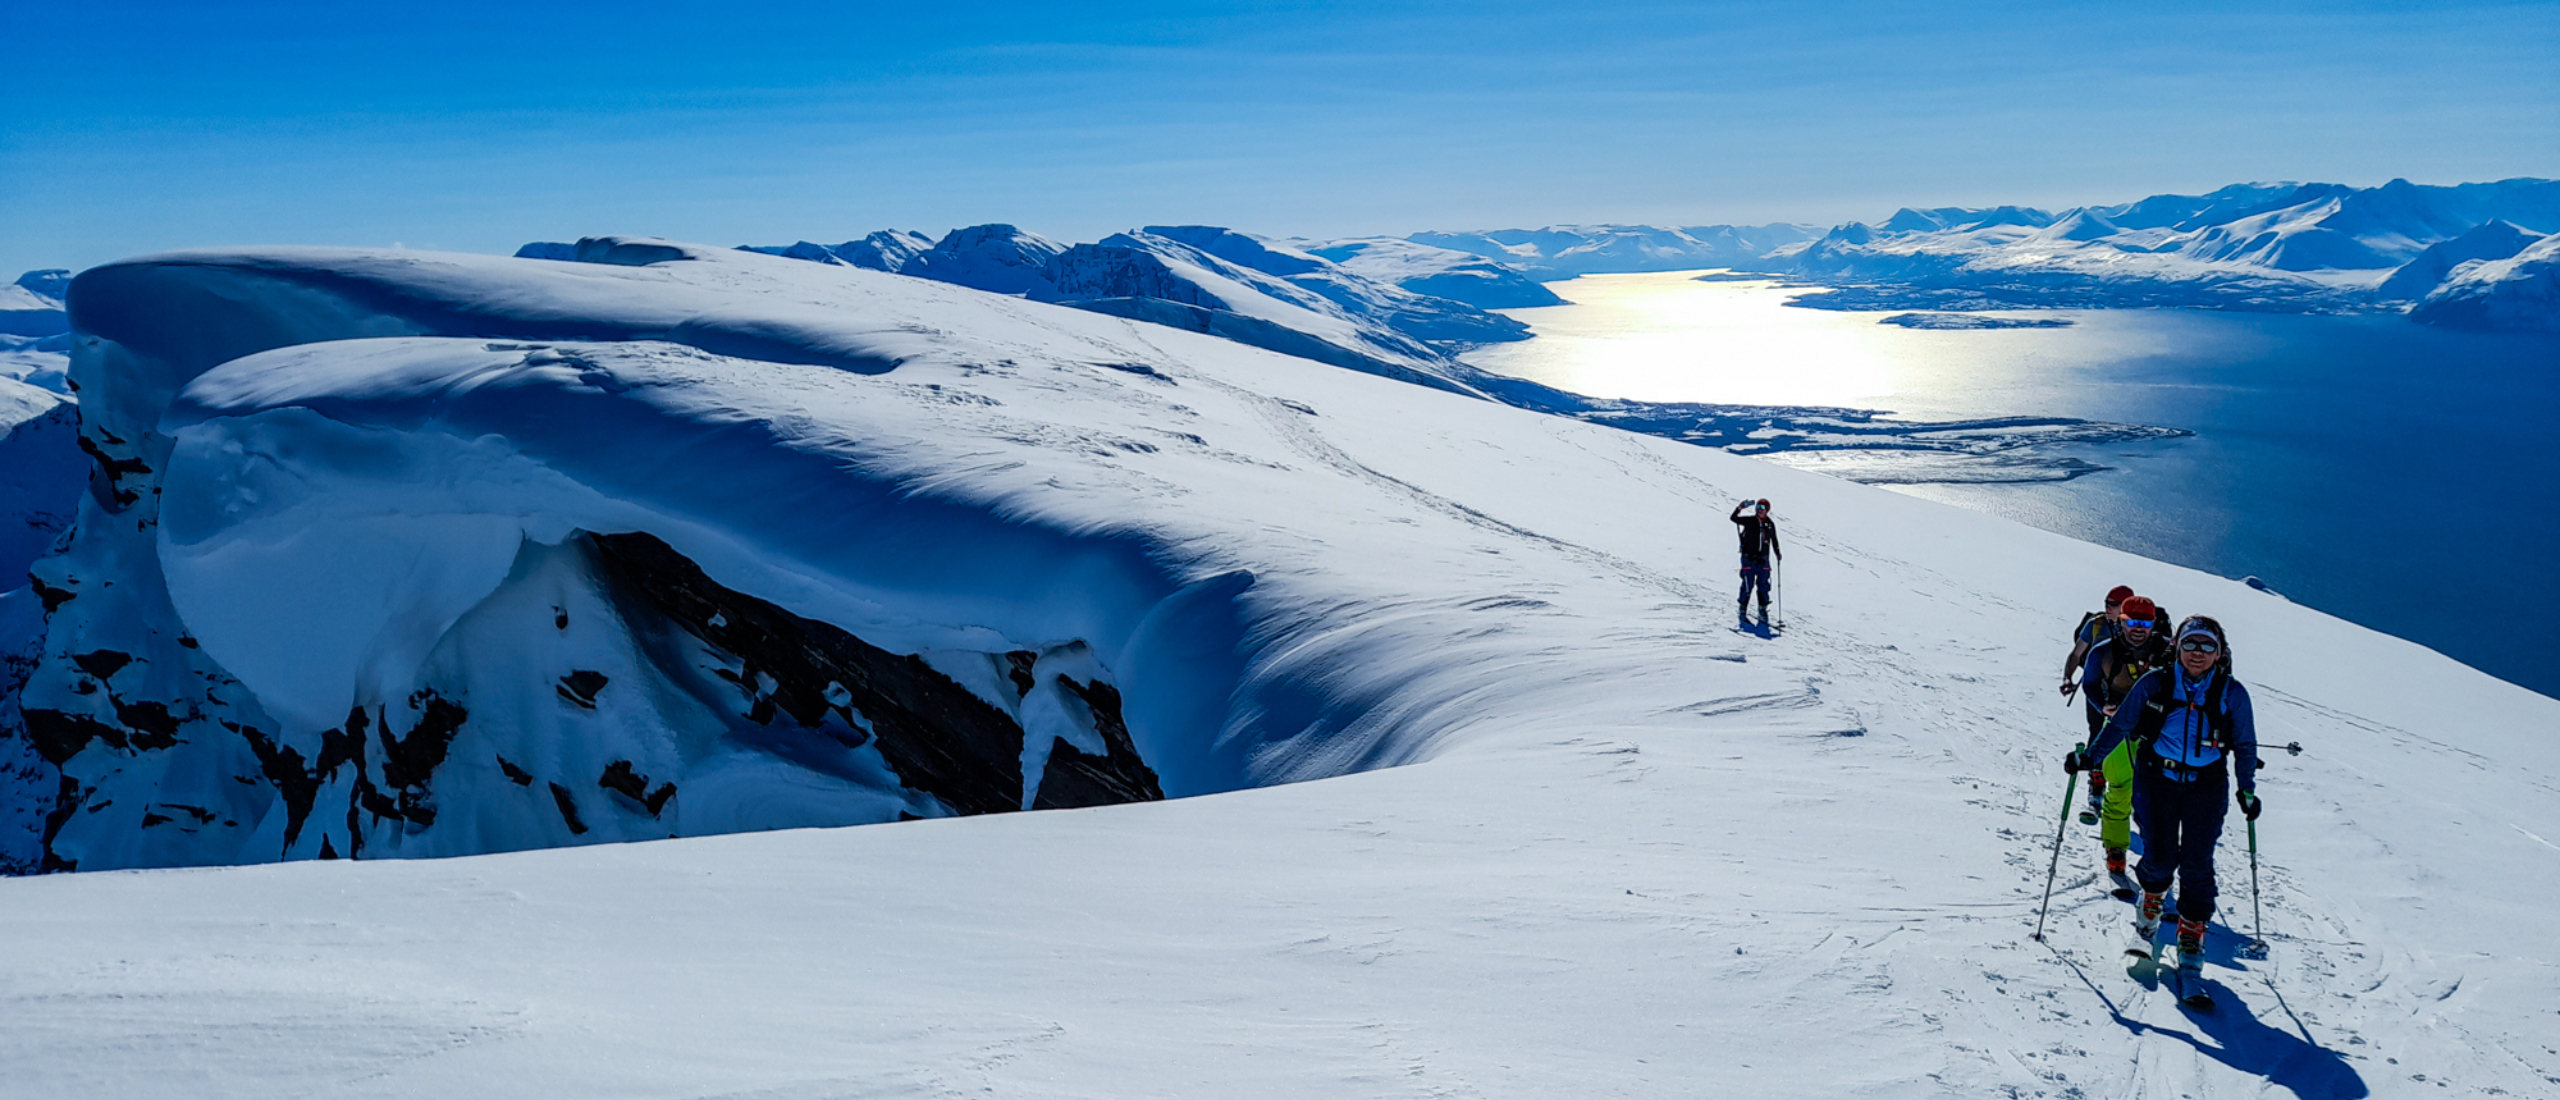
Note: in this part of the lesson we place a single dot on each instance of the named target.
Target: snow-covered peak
(996, 258)
(1459, 276)
(2518, 292)
(2491, 240)
(32, 306)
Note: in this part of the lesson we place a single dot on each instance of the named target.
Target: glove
(2070, 688)
(2073, 762)
(2249, 805)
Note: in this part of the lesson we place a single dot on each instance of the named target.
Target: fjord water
(2399, 476)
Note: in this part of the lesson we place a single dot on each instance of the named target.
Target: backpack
(2217, 712)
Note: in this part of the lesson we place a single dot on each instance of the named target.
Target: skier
(2095, 627)
(1759, 540)
(2190, 725)
(2107, 675)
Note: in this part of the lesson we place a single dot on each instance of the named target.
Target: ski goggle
(2200, 644)
(2137, 624)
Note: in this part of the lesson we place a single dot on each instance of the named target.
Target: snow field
(1636, 851)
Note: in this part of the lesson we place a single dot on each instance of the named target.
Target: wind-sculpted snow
(343, 496)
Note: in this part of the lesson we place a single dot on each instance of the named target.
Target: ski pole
(1778, 585)
(2070, 783)
(2256, 948)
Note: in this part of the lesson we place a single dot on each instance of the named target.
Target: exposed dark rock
(328, 850)
(103, 663)
(621, 779)
(115, 469)
(58, 736)
(298, 786)
(187, 640)
(581, 686)
(66, 801)
(568, 809)
(152, 726)
(150, 819)
(1019, 664)
(50, 596)
(521, 777)
(937, 736)
(1078, 778)
(410, 761)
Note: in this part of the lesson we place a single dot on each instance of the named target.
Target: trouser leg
(2115, 783)
(2155, 812)
(1755, 575)
(2199, 828)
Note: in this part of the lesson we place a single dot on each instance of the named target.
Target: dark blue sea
(2403, 477)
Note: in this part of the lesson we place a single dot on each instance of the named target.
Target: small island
(1972, 321)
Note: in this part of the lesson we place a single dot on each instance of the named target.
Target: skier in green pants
(2112, 668)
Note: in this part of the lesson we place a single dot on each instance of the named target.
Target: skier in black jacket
(1759, 541)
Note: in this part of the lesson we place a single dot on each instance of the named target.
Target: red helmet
(2119, 594)
(2141, 609)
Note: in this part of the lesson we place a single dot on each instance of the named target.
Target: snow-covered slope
(2519, 292)
(1204, 279)
(32, 306)
(1442, 272)
(2490, 240)
(1635, 851)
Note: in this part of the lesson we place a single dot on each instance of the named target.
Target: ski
(2142, 960)
(2190, 983)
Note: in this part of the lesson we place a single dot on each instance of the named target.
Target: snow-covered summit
(2521, 291)
(2490, 240)
(32, 306)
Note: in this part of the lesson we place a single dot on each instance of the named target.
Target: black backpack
(2155, 711)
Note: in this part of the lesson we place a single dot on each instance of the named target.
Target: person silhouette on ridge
(1759, 541)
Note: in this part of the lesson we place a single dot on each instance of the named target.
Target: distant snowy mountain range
(2438, 252)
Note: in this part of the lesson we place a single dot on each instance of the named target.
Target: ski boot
(2097, 796)
(2191, 990)
(2123, 890)
(2146, 921)
(2190, 948)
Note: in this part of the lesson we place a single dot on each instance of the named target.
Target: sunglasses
(2200, 645)
(2137, 624)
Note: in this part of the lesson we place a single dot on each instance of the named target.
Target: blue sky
(128, 128)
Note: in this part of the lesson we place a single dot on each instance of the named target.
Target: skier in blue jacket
(2192, 733)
